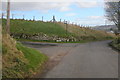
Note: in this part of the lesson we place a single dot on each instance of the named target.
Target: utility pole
(8, 18)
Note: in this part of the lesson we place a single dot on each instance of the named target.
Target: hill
(49, 31)
(19, 61)
(107, 28)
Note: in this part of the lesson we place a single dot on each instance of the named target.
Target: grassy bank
(20, 61)
(33, 27)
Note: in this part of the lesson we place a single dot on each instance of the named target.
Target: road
(79, 60)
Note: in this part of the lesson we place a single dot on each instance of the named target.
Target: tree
(8, 18)
(113, 12)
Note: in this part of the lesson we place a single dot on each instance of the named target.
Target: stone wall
(41, 36)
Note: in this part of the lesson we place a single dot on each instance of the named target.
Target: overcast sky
(81, 12)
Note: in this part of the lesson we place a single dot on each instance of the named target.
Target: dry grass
(81, 32)
(9, 57)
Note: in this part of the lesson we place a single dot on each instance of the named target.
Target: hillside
(48, 31)
(83, 33)
(107, 28)
(19, 61)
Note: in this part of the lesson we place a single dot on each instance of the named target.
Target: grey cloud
(45, 6)
(40, 6)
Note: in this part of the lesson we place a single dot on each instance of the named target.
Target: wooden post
(23, 17)
(60, 20)
(12, 16)
(33, 18)
(8, 18)
(42, 18)
(66, 26)
(54, 18)
(72, 23)
(64, 20)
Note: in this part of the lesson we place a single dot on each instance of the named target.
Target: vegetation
(88, 34)
(19, 61)
(57, 29)
(116, 44)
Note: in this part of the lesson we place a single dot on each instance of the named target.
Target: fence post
(33, 18)
(23, 17)
(60, 20)
(42, 18)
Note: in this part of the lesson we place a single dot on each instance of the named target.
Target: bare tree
(113, 12)
(8, 18)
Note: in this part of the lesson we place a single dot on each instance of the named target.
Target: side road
(86, 60)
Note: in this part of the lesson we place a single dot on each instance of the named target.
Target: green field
(32, 27)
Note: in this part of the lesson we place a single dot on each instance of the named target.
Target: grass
(47, 41)
(19, 61)
(86, 33)
(33, 56)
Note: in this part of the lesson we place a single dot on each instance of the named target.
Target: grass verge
(34, 57)
(48, 41)
(19, 61)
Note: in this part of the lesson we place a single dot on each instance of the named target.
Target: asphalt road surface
(80, 60)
